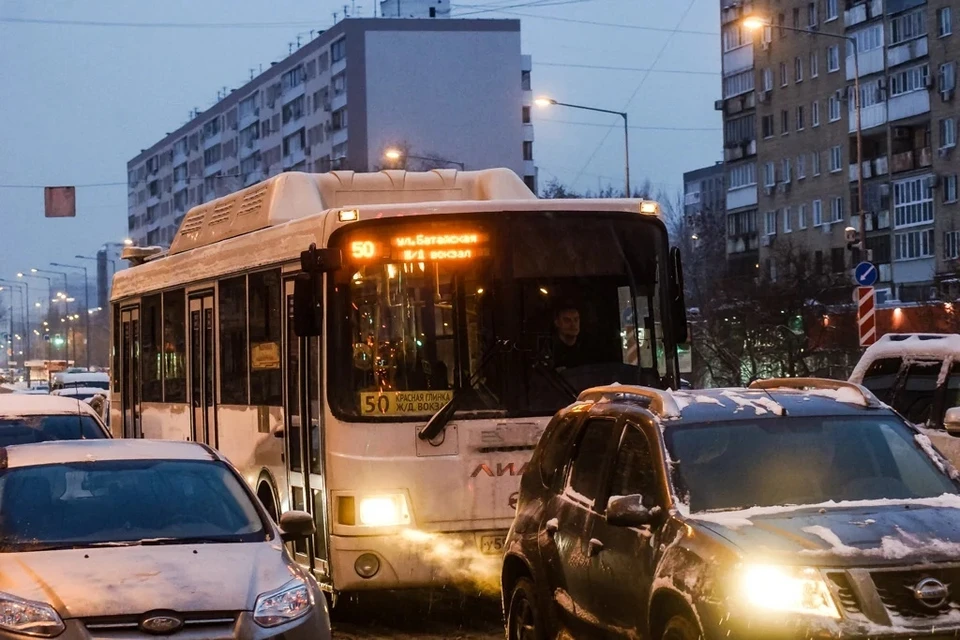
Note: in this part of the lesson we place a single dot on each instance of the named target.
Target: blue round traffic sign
(865, 274)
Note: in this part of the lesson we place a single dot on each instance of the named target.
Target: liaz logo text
(500, 470)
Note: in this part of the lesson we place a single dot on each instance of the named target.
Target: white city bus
(311, 326)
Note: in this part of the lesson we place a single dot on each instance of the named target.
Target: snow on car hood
(108, 581)
(869, 535)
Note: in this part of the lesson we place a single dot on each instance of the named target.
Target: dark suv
(794, 509)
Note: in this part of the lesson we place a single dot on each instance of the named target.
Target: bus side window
(915, 398)
(881, 377)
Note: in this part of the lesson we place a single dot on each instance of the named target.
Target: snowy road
(418, 616)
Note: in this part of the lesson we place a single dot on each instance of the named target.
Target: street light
(545, 101)
(396, 154)
(86, 303)
(24, 290)
(756, 23)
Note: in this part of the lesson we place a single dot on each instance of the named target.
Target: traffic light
(58, 340)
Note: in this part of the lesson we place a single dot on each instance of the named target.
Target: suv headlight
(787, 590)
(286, 604)
(29, 618)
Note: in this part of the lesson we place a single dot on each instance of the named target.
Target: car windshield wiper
(439, 421)
(188, 540)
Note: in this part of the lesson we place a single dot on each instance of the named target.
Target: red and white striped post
(867, 315)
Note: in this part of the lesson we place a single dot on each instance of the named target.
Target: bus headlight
(387, 510)
(787, 590)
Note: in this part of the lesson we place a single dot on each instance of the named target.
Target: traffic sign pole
(867, 315)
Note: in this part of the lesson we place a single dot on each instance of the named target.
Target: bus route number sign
(403, 403)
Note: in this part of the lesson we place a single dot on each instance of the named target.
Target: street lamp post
(546, 102)
(22, 276)
(24, 290)
(756, 23)
(86, 302)
(397, 154)
(71, 346)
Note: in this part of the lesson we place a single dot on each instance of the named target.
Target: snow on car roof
(82, 376)
(712, 405)
(24, 404)
(908, 345)
(67, 451)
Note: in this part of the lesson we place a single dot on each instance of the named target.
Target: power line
(158, 25)
(534, 4)
(597, 23)
(690, 72)
(194, 179)
(637, 127)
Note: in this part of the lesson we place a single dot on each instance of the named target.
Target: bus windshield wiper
(439, 421)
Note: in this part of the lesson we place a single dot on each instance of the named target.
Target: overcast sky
(78, 101)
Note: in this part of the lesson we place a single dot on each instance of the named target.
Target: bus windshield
(517, 313)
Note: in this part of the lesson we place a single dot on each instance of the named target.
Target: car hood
(844, 536)
(109, 581)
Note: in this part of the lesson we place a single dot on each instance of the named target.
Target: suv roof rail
(823, 384)
(657, 401)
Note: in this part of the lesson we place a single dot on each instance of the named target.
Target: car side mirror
(296, 525)
(951, 421)
(628, 511)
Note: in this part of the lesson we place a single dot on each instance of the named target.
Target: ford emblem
(161, 624)
(931, 593)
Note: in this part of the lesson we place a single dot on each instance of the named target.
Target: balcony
(248, 117)
(910, 160)
(338, 136)
(291, 94)
(295, 156)
(907, 51)
(291, 126)
(742, 197)
(338, 101)
(211, 141)
(740, 150)
(873, 116)
(908, 105)
(528, 132)
(862, 12)
(691, 199)
(739, 103)
(870, 62)
(867, 171)
(739, 59)
(881, 166)
(743, 243)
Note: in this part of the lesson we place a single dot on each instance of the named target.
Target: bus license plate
(492, 544)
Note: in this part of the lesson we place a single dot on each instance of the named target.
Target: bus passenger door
(130, 372)
(304, 436)
(203, 414)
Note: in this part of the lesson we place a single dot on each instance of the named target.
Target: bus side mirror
(678, 302)
(951, 421)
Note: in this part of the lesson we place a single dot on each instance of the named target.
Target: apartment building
(704, 194)
(455, 91)
(802, 115)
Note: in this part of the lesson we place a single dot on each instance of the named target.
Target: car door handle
(594, 547)
(552, 526)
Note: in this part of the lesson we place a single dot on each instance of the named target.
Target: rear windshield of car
(128, 502)
(803, 460)
(85, 384)
(31, 429)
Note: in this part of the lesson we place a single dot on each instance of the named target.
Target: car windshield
(86, 384)
(477, 307)
(803, 460)
(30, 429)
(107, 503)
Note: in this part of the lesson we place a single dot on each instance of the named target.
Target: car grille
(845, 592)
(215, 623)
(896, 590)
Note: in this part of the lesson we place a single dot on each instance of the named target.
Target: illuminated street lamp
(544, 101)
(757, 23)
(395, 154)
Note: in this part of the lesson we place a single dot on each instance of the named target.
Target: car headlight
(286, 604)
(29, 618)
(383, 510)
(787, 590)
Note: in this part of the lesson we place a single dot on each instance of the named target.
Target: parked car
(919, 376)
(26, 418)
(135, 538)
(793, 509)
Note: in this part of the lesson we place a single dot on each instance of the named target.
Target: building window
(769, 175)
(781, 23)
(908, 80)
(770, 226)
(868, 39)
(740, 130)
(212, 155)
(951, 245)
(833, 58)
(801, 167)
(811, 15)
(787, 222)
(338, 50)
(817, 213)
(944, 22)
(798, 69)
(738, 84)
(525, 115)
(836, 159)
(815, 113)
(266, 375)
(815, 163)
(210, 128)
(912, 202)
(802, 217)
(233, 340)
(908, 26)
(814, 64)
(947, 80)
(913, 245)
(833, 107)
(950, 189)
(294, 110)
(784, 122)
(767, 79)
(948, 133)
(837, 259)
(339, 83)
(787, 170)
(767, 126)
(784, 79)
(338, 119)
(801, 121)
(292, 79)
(174, 346)
(836, 208)
(744, 175)
(525, 81)
(528, 150)
(832, 10)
